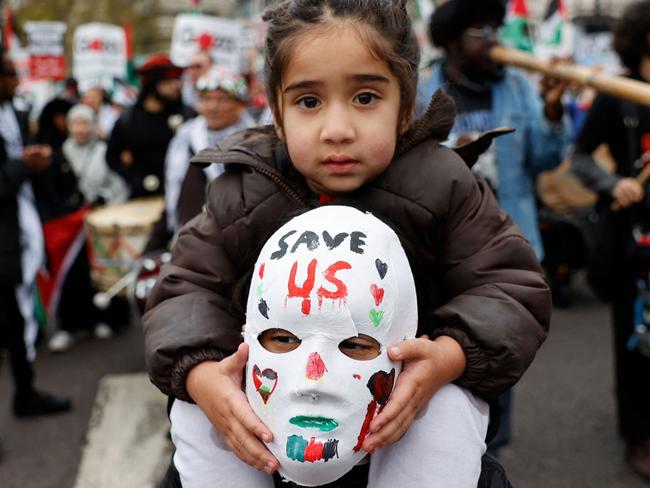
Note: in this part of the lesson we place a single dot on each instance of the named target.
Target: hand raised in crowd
(628, 191)
(552, 90)
(216, 389)
(37, 157)
(428, 366)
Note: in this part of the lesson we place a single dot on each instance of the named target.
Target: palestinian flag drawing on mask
(555, 34)
(515, 32)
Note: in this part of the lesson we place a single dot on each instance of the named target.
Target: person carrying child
(341, 78)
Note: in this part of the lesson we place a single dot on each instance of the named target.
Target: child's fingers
(236, 361)
(247, 417)
(410, 349)
(401, 399)
(249, 449)
(390, 432)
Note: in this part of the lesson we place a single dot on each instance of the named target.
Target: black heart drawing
(263, 307)
(381, 384)
(382, 268)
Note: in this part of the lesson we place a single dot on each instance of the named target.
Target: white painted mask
(338, 285)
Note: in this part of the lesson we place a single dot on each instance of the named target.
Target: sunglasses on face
(485, 32)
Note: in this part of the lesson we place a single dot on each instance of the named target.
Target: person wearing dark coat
(138, 143)
(625, 128)
(20, 246)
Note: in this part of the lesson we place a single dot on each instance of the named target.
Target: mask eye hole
(361, 348)
(278, 340)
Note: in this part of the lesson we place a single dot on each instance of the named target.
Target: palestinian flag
(64, 240)
(555, 35)
(515, 32)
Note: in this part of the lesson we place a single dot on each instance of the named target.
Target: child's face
(80, 130)
(340, 107)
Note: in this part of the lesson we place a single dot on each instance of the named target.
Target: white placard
(45, 38)
(99, 54)
(223, 38)
(596, 49)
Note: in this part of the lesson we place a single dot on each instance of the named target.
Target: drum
(117, 236)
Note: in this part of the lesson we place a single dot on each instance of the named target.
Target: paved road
(563, 421)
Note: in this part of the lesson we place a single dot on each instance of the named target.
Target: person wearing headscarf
(222, 106)
(139, 140)
(86, 154)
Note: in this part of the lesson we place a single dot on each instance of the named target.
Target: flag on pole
(556, 33)
(10, 39)
(516, 32)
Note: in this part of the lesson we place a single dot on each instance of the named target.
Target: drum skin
(117, 236)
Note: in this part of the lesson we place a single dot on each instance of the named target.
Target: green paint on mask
(320, 423)
(376, 316)
(296, 446)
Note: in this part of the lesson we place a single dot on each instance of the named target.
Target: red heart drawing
(264, 382)
(377, 293)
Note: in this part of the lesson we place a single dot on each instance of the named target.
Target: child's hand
(216, 389)
(428, 366)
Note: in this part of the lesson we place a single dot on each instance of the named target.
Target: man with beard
(21, 247)
(487, 96)
(138, 143)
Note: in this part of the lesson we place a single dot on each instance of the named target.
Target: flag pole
(616, 86)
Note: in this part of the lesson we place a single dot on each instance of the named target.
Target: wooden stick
(616, 86)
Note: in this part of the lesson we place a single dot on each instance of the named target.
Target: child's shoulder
(251, 181)
(427, 175)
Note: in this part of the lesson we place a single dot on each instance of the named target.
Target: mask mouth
(323, 424)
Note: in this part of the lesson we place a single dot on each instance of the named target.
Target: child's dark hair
(393, 40)
(631, 34)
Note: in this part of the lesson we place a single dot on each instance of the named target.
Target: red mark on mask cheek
(303, 291)
(315, 367)
(261, 271)
(356, 376)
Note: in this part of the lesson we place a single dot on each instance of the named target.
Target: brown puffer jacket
(478, 280)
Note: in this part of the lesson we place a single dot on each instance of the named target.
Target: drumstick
(617, 86)
(642, 178)
(103, 299)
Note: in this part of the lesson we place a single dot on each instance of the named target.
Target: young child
(341, 79)
(332, 289)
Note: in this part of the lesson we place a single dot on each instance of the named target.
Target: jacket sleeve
(189, 317)
(498, 304)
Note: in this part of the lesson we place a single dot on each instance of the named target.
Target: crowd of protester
(89, 150)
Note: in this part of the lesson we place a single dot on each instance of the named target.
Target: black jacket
(12, 175)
